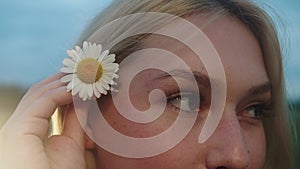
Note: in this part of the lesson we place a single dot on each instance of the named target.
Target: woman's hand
(24, 142)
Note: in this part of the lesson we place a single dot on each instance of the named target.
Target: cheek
(181, 156)
(184, 155)
(256, 143)
(132, 129)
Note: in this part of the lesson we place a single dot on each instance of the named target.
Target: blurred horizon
(36, 34)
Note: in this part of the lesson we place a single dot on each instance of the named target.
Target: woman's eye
(255, 111)
(185, 101)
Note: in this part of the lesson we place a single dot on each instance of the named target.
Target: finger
(45, 81)
(33, 90)
(36, 93)
(50, 79)
(36, 117)
(75, 121)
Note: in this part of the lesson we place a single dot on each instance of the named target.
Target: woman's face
(239, 140)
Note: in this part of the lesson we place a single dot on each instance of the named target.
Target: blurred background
(34, 36)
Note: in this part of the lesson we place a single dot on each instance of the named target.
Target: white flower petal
(74, 83)
(85, 97)
(87, 49)
(96, 92)
(76, 89)
(67, 78)
(115, 76)
(85, 46)
(109, 59)
(98, 50)
(94, 51)
(108, 75)
(111, 67)
(75, 80)
(107, 79)
(69, 86)
(78, 49)
(82, 56)
(82, 90)
(104, 84)
(103, 54)
(73, 55)
(90, 90)
(69, 62)
(67, 70)
(80, 53)
(100, 88)
(111, 75)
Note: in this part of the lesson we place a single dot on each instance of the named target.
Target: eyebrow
(257, 91)
(200, 78)
(204, 80)
(260, 89)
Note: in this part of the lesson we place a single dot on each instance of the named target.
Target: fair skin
(238, 142)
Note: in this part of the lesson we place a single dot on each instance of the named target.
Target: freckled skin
(235, 144)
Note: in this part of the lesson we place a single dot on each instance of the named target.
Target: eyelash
(260, 110)
(179, 96)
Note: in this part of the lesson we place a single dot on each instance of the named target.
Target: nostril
(222, 167)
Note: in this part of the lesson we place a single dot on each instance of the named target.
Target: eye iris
(186, 102)
(194, 103)
(255, 111)
(252, 111)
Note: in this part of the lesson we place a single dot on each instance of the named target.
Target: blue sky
(34, 36)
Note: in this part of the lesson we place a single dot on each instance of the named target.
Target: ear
(88, 142)
(90, 151)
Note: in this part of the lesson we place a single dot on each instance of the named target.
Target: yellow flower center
(89, 70)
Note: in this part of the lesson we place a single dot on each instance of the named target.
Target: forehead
(236, 45)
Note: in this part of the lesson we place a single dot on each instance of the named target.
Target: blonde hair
(277, 128)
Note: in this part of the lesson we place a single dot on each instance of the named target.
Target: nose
(228, 148)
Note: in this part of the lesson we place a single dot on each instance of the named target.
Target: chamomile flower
(90, 71)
